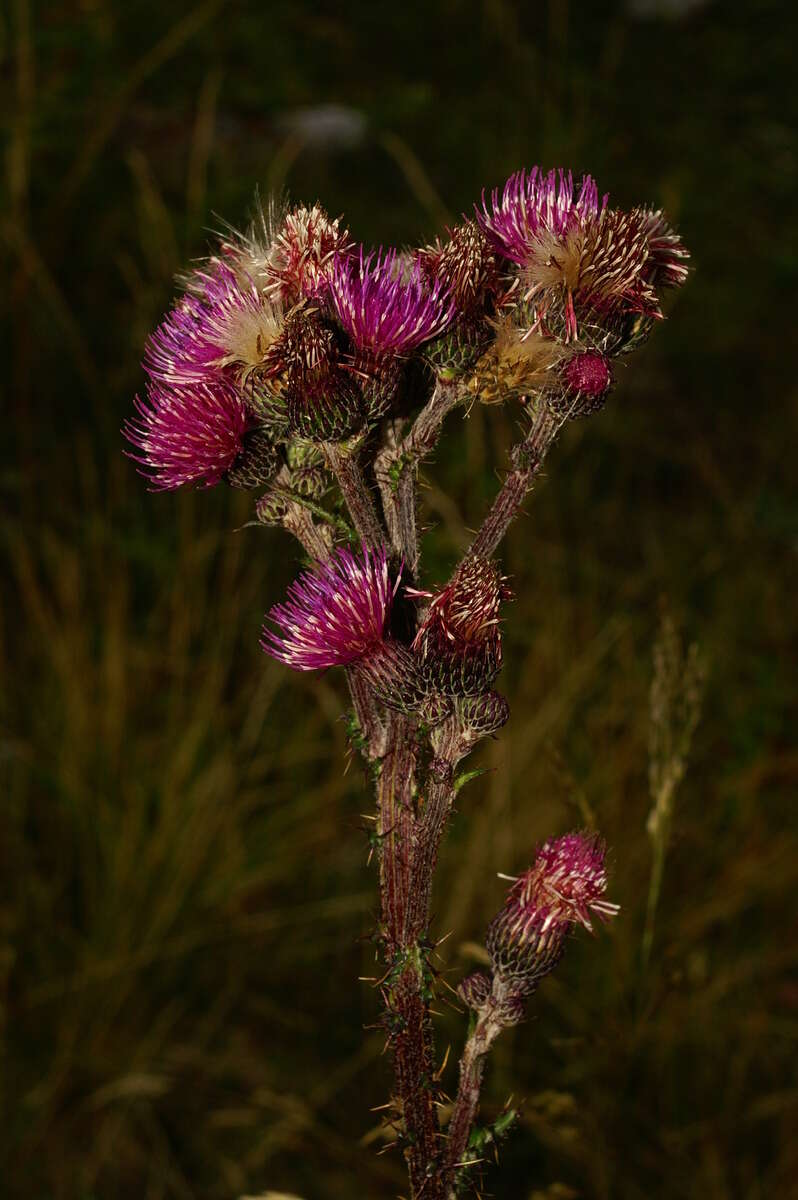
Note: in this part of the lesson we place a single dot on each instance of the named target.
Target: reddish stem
(528, 458)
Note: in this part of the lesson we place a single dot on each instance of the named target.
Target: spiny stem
(369, 715)
(395, 827)
(316, 539)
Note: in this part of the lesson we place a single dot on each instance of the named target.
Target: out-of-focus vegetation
(185, 905)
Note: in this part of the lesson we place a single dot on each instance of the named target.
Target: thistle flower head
(188, 434)
(565, 885)
(289, 252)
(566, 882)
(385, 310)
(301, 259)
(533, 206)
(223, 321)
(577, 256)
(597, 267)
(335, 614)
(459, 642)
(465, 265)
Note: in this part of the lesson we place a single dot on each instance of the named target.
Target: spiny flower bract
(458, 644)
(335, 614)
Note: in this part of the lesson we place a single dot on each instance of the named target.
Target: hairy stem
(395, 828)
(406, 984)
(315, 539)
(342, 461)
(487, 1027)
(450, 742)
(439, 794)
(369, 715)
(528, 458)
(396, 466)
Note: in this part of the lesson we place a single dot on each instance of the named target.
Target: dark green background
(185, 904)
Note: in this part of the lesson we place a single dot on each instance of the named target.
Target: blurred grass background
(185, 906)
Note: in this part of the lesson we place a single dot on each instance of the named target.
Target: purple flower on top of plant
(533, 204)
(385, 309)
(335, 614)
(577, 256)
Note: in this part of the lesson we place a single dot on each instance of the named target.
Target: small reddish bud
(474, 990)
(587, 379)
(588, 373)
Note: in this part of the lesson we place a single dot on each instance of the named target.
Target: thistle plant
(319, 374)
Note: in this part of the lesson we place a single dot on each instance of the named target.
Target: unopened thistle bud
(309, 476)
(485, 714)
(566, 884)
(458, 645)
(338, 615)
(272, 507)
(585, 382)
(474, 990)
(322, 400)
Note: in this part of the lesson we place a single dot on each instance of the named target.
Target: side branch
(396, 466)
(489, 1023)
(342, 461)
(528, 457)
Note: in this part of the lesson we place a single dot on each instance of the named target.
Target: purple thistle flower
(566, 882)
(188, 434)
(221, 322)
(334, 615)
(385, 310)
(533, 205)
